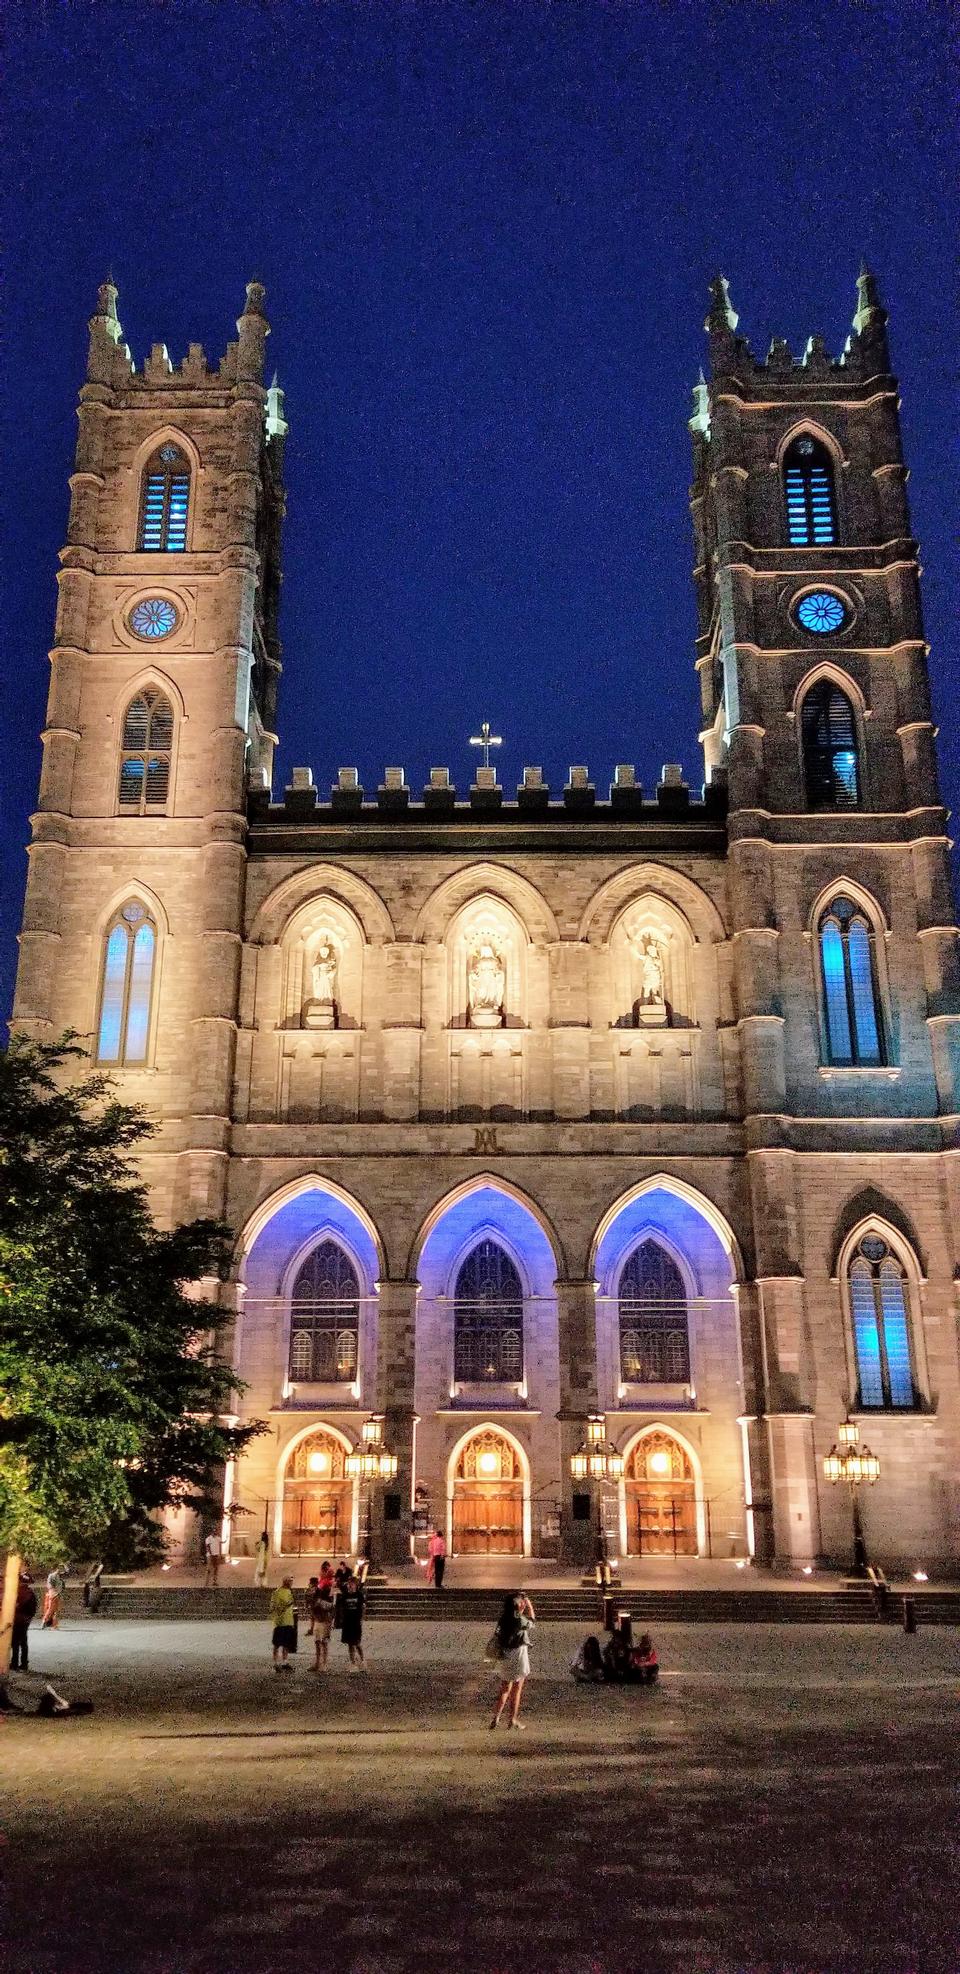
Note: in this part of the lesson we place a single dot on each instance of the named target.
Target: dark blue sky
(486, 233)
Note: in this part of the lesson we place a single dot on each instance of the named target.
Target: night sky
(486, 233)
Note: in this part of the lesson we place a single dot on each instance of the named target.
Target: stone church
(540, 1116)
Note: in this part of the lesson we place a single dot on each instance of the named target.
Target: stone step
(421, 1605)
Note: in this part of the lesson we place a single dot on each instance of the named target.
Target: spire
(105, 334)
(722, 318)
(700, 420)
(252, 330)
(276, 422)
(870, 322)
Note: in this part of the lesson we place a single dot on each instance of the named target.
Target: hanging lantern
(848, 1433)
(578, 1464)
(834, 1464)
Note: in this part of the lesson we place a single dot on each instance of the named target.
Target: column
(577, 1335)
(396, 1363)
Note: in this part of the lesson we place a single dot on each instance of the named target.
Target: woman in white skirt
(514, 1626)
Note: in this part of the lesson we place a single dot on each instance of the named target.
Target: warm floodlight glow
(807, 1569)
(848, 1433)
(488, 1463)
(659, 1462)
(578, 1464)
(319, 1463)
(920, 1576)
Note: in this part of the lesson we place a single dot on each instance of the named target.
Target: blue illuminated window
(126, 988)
(488, 1318)
(154, 618)
(821, 612)
(164, 503)
(809, 494)
(829, 742)
(881, 1328)
(325, 1318)
(146, 752)
(654, 1334)
(852, 1015)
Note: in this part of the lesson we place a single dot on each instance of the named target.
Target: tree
(113, 1402)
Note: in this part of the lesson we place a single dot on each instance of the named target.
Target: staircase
(417, 1604)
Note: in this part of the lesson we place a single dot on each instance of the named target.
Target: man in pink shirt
(437, 1552)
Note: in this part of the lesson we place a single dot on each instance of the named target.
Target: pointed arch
(127, 989)
(352, 1211)
(848, 934)
(445, 1209)
(314, 1516)
(693, 907)
(631, 1542)
(829, 708)
(808, 461)
(166, 498)
(881, 1280)
(689, 1196)
(475, 882)
(279, 911)
(148, 732)
(500, 1529)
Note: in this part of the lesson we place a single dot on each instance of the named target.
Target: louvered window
(145, 755)
(808, 487)
(165, 501)
(852, 1014)
(488, 1318)
(654, 1332)
(325, 1318)
(126, 987)
(829, 741)
(881, 1327)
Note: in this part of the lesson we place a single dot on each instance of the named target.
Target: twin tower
(532, 1106)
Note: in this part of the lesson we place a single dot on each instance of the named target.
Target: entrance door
(488, 1496)
(661, 1498)
(315, 1523)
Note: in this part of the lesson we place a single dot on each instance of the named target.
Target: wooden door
(487, 1520)
(316, 1522)
(664, 1521)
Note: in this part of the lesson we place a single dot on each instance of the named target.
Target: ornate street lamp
(595, 1459)
(371, 1463)
(848, 1461)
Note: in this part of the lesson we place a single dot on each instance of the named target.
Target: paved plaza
(786, 1800)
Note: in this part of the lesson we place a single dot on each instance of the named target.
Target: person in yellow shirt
(283, 1615)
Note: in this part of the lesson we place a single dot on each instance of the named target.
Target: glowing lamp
(659, 1462)
(596, 1428)
(848, 1433)
(578, 1464)
(319, 1463)
(870, 1466)
(834, 1464)
(614, 1466)
(920, 1576)
(387, 1466)
(487, 1463)
(371, 1431)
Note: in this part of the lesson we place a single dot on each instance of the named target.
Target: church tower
(161, 704)
(816, 704)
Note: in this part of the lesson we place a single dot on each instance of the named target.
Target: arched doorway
(317, 1497)
(488, 1496)
(661, 1498)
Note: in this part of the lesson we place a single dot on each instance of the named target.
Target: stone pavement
(785, 1801)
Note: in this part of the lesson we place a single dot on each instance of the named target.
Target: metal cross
(486, 740)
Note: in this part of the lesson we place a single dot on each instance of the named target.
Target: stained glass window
(881, 1327)
(164, 503)
(488, 1318)
(821, 612)
(154, 617)
(146, 749)
(854, 1027)
(654, 1332)
(829, 742)
(325, 1318)
(809, 492)
(126, 988)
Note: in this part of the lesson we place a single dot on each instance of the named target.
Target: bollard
(910, 1615)
(625, 1627)
(609, 1620)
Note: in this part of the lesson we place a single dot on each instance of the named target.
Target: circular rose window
(153, 618)
(821, 611)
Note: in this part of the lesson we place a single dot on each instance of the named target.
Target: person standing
(513, 1629)
(321, 1615)
(53, 1598)
(213, 1552)
(261, 1559)
(283, 1614)
(25, 1610)
(351, 1618)
(437, 1552)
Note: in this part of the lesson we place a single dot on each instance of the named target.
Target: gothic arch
(666, 1427)
(322, 921)
(285, 1196)
(905, 1254)
(838, 677)
(807, 428)
(665, 1182)
(847, 887)
(478, 1428)
(651, 923)
(162, 435)
(475, 882)
(274, 915)
(284, 1458)
(485, 1182)
(692, 905)
(135, 889)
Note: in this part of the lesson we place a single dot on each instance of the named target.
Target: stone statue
(486, 979)
(322, 1008)
(651, 973)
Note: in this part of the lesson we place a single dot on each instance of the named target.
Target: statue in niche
(651, 1004)
(486, 980)
(321, 1009)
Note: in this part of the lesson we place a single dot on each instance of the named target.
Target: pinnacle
(722, 318)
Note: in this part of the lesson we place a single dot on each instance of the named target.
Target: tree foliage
(113, 1403)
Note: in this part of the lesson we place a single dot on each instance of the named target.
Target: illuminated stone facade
(524, 1105)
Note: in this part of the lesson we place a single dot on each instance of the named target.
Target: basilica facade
(530, 1107)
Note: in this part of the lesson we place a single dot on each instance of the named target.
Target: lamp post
(595, 1459)
(372, 1462)
(848, 1461)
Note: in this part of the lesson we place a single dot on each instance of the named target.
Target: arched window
(145, 752)
(851, 1002)
(488, 1318)
(808, 487)
(164, 500)
(325, 1318)
(881, 1327)
(126, 988)
(654, 1337)
(829, 741)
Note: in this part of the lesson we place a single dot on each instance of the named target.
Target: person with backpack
(513, 1629)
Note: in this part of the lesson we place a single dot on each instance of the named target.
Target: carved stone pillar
(577, 1334)
(396, 1361)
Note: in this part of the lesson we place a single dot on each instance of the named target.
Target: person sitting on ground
(587, 1667)
(644, 1663)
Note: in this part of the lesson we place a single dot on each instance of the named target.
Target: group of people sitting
(625, 1661)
